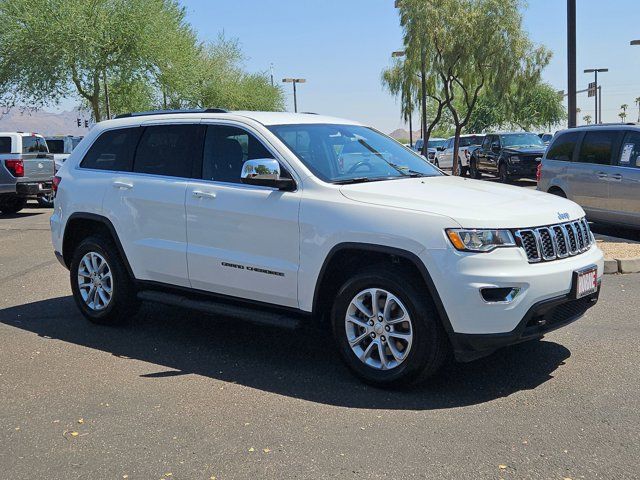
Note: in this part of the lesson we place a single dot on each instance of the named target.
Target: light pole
(596, 71)
(295, 95)
(571, 62)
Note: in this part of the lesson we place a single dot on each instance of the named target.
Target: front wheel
(386, 331)
(503, 174)
(473, 170)
(9, 205)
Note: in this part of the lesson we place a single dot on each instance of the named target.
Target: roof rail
(611, 124)
(168, 112)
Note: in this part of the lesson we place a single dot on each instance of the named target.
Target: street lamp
(295, 95)
(596, 71)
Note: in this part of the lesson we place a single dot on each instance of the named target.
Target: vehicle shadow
(616, 231)
(296, 363)
(7, 216)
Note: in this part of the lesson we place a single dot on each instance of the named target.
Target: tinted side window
(5, 144)
(630, 151)
(113, 150)
(486, 143)
(226, 149)
(597, 147)
(169, 150)
(563, 147)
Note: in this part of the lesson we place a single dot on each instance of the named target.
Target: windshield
(436, 143)
(351, 153)
(55, 146)
(521, 140)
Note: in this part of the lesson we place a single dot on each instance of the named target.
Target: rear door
(38, 162)
(592, 173)
(624, 188)
(147, 204)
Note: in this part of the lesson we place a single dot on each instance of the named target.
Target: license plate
(585, 281)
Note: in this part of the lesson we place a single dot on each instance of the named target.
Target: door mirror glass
(266, 173)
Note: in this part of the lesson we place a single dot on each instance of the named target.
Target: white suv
(283, 218)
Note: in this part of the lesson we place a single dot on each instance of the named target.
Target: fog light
(499, 295)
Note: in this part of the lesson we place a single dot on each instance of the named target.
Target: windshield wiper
(353, 180)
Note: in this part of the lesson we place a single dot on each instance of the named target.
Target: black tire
(124, 302)
(9, 205)
(46, 201)
(473, 169)
(503, 175)
(430, 347)
(436, 163)
(461, 170)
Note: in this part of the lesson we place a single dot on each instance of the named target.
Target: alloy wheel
(379, 329)
(95, 281)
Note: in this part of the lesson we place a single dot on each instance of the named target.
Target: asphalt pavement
(179, 395)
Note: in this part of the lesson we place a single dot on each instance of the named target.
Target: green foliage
(150, 55)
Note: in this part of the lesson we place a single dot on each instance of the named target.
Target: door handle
(122, 185)
(601, 175)
(616, 176)
(201, 194)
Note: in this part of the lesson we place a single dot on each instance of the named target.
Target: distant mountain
(43, 122)
(401, 133)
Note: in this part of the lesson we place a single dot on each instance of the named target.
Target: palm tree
(638, 104)
(587, 119)
(623, 116)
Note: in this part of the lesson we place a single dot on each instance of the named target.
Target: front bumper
(542, 318)
(459, 278)
(33, 189)
(524, 170)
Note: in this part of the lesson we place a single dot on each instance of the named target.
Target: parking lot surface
(176, 394)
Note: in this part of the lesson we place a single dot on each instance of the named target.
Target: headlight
(514, 159)
(480, 240)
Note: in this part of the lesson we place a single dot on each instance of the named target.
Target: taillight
(16, 167)
(538, 172)
(56, 182)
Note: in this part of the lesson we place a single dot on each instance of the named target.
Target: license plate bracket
(585, 282)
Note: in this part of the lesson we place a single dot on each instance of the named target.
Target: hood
(525, 150)
(470, 203)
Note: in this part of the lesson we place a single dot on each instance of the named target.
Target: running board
(247, 313)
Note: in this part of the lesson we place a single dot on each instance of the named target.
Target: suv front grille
(556, 241)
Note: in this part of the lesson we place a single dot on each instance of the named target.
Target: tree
(401, 82)
(587, 119)
(637, 102)
(470, 45)
(623, 116)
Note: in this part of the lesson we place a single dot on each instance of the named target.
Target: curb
(622, 265)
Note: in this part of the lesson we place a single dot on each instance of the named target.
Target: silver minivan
(597, 167)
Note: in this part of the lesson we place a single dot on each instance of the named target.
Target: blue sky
(341, 46)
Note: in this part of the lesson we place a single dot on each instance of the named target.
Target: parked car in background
(434, 145)
(467, 144)
(61, 147)
(26, 170)
(254, 215)
(597, 167)
(545, 137)
(508, 156)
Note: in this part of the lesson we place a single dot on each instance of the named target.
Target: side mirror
(495, 146)
(265, 172)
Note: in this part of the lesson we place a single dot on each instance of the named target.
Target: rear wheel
(12, 204)
(387, 331)
(101, 286)
(473, 169)
(558, 192)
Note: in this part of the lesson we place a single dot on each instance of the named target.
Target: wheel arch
(334, 262)
(80, 225)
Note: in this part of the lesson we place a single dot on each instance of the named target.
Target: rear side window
(169, 150)
(630, 151)
(563, 147)
(55, 146)
(113, 150)
(597, 147)
(5, 145)
(33, 144)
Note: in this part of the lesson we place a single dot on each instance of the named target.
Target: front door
(624, 189)
(243, 239)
